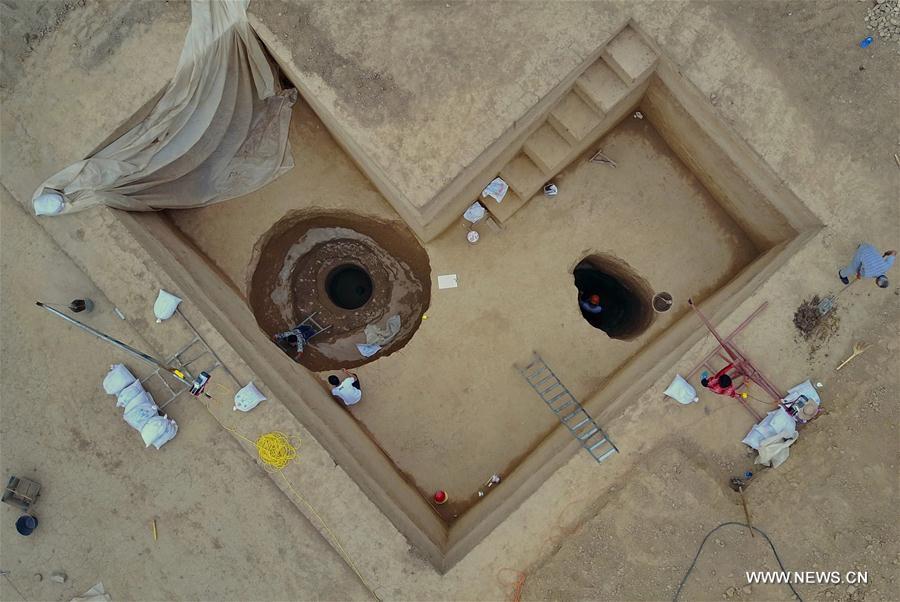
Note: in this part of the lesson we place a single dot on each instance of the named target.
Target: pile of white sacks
(140, 410)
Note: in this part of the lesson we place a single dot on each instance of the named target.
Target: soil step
(629, 56)
(547, 149)
(523, 176)
(512, 202)
(600, 87)
(573, 119)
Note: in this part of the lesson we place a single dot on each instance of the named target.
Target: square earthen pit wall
(684, 127)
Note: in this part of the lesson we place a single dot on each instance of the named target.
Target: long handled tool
(828, 303)
(858, 348)
(196, 385)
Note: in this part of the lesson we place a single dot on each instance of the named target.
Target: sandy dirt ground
(516, 294)
(831, 507)
(219, 517)
(788, 77)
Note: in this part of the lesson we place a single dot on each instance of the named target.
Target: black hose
(703, 543)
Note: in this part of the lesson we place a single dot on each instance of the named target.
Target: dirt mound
(807, 317)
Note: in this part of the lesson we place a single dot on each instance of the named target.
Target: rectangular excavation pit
(449, 410)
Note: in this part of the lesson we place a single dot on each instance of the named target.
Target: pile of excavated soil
(807, 317)
(814, 327)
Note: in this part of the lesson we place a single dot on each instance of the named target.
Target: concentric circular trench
(352, 272)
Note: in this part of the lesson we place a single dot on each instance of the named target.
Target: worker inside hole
(293, 341)
(590, 303)
(720, 383)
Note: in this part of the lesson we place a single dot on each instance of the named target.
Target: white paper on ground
(447, 281)
(95, 594)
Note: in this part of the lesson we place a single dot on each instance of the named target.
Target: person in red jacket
(721, 383)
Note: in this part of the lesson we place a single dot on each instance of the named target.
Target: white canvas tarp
(218, 132)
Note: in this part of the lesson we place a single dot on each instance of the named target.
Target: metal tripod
(742, 365)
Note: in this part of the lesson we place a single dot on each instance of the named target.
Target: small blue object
(704, 374)
(864, 43)
(748, 474)
(26, 524)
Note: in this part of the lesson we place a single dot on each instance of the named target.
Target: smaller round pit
(625, 298)
(349, 286)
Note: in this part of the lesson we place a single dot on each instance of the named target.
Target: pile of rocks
(884, 18)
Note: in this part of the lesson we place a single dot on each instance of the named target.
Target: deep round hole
(612, 297)
(349, 286)
(662, 302)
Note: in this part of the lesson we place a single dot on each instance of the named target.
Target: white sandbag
(165, 305)
(681, 391)
(168, 435)
(117, 379)
(158, 431)
(139, 410)
(129, 393)
(48, 203)
(248, 398)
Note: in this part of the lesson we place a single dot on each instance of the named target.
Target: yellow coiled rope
(276, 450)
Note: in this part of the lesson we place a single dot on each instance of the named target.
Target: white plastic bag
(129, 393)
(681, 391)
(497, 189)
(475, 212)
(117, 379)
(49, 203)
(158, 431)
(139, 410)
(248, 398)
(165, 305)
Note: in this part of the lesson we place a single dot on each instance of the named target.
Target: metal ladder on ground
(568, 409)
(185, 360)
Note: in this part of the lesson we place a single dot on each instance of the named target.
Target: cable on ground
(703, 543)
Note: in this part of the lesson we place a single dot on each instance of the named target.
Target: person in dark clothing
(612, 299)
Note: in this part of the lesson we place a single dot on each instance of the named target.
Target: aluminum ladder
(184, 361)
(568, 409)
